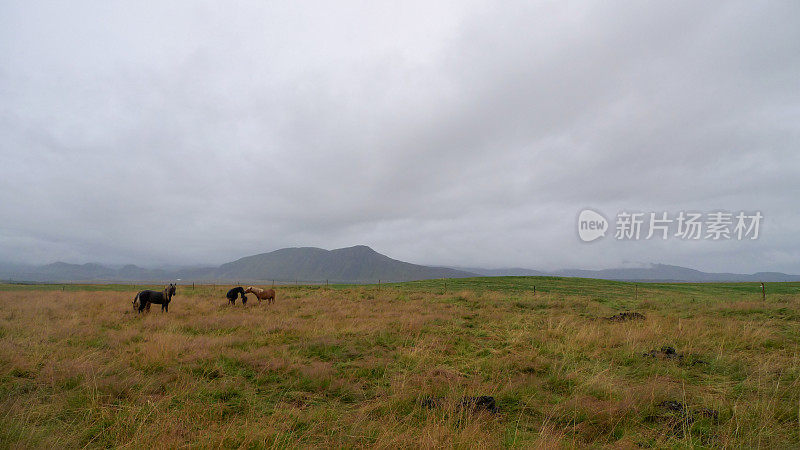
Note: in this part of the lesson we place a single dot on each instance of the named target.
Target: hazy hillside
(509, 272)
(654, 272)
(61, 271)
(351, 264)
(665, 272)
(359, 264)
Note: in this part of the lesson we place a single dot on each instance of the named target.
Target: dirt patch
(479, 403)
(678, 417)
(666, 352)
(626, 317)
(669, 353)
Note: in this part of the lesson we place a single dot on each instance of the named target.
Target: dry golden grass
(350, 366)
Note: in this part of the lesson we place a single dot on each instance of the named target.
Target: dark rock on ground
(667, 352)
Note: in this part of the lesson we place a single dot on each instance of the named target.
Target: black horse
(234, 293)
(144, 299)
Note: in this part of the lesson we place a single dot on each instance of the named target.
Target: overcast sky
(454, 133)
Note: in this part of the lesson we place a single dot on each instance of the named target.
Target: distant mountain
(656, 272)
(359, 264)
(75, 271)
(61, 271)
(510, 272)
(132, 272)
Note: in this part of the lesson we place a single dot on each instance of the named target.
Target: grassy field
(352, 366)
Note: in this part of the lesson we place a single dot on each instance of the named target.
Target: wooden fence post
(763, 292)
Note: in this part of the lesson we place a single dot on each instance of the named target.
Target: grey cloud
(465, 133)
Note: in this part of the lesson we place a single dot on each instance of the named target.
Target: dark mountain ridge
(351, 264)
(358, 264)
(665, 272)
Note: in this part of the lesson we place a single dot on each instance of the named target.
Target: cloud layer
(459, 133)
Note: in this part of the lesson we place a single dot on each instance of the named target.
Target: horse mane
(169, 290)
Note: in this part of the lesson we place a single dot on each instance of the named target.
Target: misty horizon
(466, 268)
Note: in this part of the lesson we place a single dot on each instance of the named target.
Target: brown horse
(262, 294)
